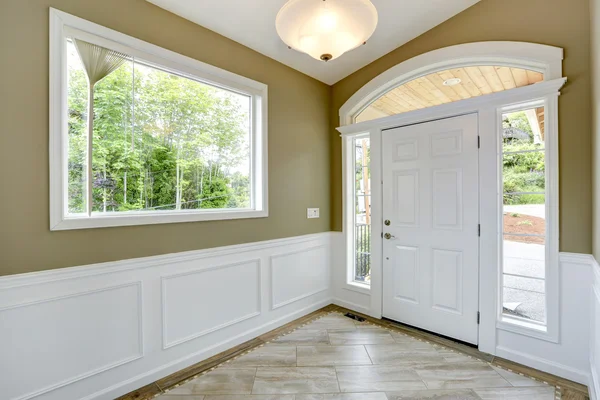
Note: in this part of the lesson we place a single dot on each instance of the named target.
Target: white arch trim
(532, 56)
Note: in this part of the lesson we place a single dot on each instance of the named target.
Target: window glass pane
(77, 99)
(113, 125)
(524, 278)
(160, 142)
(524, 172)
(524, 215)
(523, 130)
(362, 230)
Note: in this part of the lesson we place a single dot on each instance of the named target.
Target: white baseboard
(99, 331)
(594, 386)
(351, 306)
(191, 359)
(542, 364)
(594, 383)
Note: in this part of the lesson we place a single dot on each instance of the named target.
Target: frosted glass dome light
(326, 29)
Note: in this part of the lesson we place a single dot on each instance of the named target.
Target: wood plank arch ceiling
(430, 90)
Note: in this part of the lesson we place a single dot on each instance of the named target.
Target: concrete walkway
(528, 289)
(535, 210)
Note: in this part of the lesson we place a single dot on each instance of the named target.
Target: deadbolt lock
(387, 222)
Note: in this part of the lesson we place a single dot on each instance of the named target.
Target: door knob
(389, 236)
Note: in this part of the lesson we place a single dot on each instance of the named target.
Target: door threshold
(411, 327)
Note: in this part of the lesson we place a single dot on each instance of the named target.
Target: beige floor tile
(378, 378)
(219, 381)
(460, 375)
(454, 356)
(331, 321)
(360, 336)
(180, 397)
(342, 396)
(521, 393)
(304, 337)
(516, 379)
(249, 397)
(461, 394)
(365, 325)
(266, 356)
(286, 380)
(401, 337)
(409, 353)
(332, 355)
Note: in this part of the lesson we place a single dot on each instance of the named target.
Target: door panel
(431, 197)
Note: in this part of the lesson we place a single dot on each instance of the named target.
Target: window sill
(137, 218)
(526, 328)
(358, 287)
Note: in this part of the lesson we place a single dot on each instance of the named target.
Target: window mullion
(90, 139)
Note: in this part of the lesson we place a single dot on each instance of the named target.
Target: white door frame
(545, 59)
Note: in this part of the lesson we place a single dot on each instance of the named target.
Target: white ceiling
(252, 23)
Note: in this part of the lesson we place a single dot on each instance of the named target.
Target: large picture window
(150, 140)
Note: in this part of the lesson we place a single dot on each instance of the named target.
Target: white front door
(431, 223)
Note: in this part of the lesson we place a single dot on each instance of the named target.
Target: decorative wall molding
(543, 364)
(292, 283)
(85, 374)
(209, 301)
(48, 276)
(149, 334)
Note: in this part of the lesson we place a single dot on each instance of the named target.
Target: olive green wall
(595, 72)
(298, 141)
(553, 22)
(304, 148)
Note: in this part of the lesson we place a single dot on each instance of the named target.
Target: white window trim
(62, 23)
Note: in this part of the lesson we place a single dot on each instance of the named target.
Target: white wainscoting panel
(57, 341)
(298, 274)
(570, 357)
(594, 384)
(99, 331)
(235, 288)
(345, 295)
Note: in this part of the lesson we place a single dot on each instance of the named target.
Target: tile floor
(337, 358)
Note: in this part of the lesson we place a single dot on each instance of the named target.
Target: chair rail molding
(117, 326)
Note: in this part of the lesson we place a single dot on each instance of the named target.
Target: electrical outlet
(312, 213)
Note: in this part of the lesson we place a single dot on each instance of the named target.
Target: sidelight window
(526, 221)
(362, 210)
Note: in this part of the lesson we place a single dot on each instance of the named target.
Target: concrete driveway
(524, 295)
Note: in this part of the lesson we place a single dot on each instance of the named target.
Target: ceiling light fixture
(326, 29)
(452, 82)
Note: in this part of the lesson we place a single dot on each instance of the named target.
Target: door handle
(389, 236)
